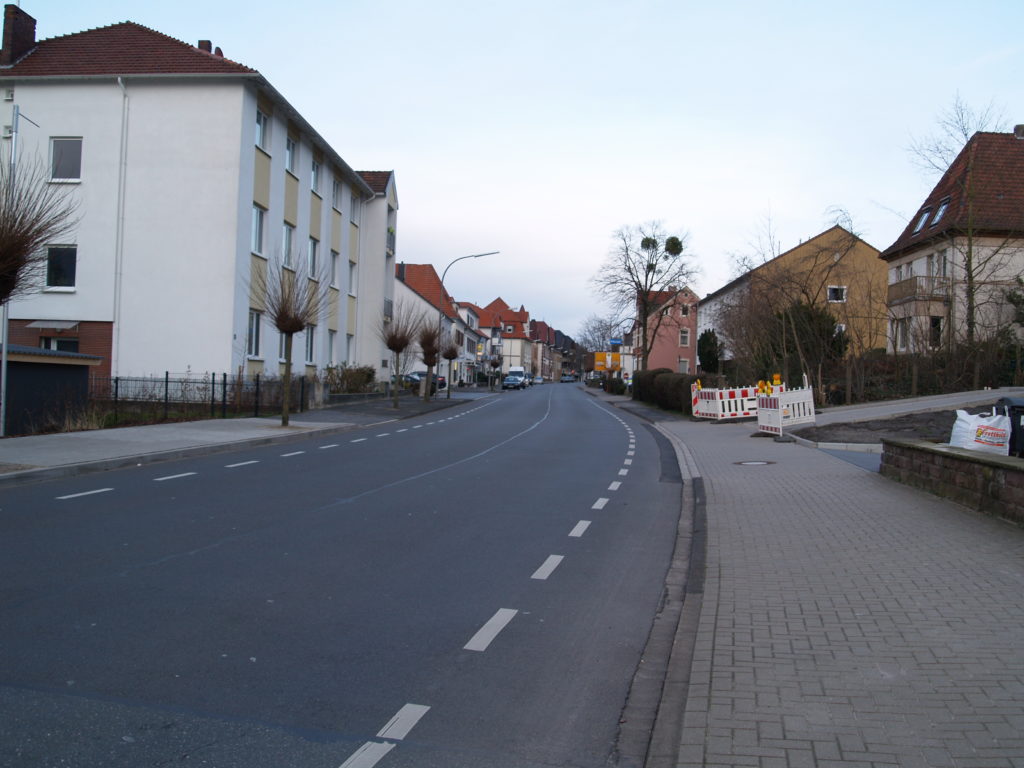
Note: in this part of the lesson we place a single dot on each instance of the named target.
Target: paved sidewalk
(845, 620)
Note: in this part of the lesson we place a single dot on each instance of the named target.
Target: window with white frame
(61, 265)
(684, 310)
(355, 205)
(252, 335)
(65, 159)
(940, 211)
(684, 338)
(336, 194)
(897, 273)
(314, 176)
(262, 129)
(921, 220)
(839, 329)
(291, 151)
(281, 344)
(836, 294)
(334, 268)
(310, 344)
(332, 339)
(901, 333)
(352, 276)
(941, 263)
(58, 343)
(287, 242)
(311, 257)
(258, 215)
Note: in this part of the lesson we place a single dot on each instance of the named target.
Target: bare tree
(449, 351)
(429, 338)
(293, 302)
(33, 214)
(596, 332)
(645, 270)
(398, 332)
(954, 126)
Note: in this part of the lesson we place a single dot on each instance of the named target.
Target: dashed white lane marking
(401, 430)
(358, 440)
(383, 434)
(400, 725)
(631, 453)
(331, 445)
(490, 630)
(368, 755)
(580, 529)
(241, 464)
(84, 493)
(293, 453)
(627, 462)
(172, 477)
(418, 426)
(548, 567)
(599, 504)
(397, 728)
(623, 472)
(615, 486)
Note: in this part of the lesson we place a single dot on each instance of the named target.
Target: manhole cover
(753, 463)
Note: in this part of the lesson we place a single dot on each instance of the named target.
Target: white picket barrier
(780, 410)
(727, 403)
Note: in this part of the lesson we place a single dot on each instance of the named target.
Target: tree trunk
(286, 394)
(397, 384)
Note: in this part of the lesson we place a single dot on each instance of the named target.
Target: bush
(347, 379)
(643, 384)
(672, 392)
(616, 387)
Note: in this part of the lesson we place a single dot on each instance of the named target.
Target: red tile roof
(423, 279)
(985, 189)
(486, 317)
(120, 49)
(378, 180)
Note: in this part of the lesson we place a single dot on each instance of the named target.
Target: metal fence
(184, 395)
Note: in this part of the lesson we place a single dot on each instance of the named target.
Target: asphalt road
(464, 589)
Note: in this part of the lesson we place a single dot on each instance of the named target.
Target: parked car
(538, 379)
(567, 378)
(513, 382)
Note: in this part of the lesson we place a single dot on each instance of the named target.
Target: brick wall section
(984, 482)
(94, 338)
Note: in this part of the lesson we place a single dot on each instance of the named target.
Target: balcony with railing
(918, 288)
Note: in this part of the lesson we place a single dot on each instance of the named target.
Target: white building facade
(192, 174)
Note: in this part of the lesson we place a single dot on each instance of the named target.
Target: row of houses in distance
(193, 176)
(942, 282)
(490, 339)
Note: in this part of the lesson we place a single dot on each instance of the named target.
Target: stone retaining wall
(984, 482)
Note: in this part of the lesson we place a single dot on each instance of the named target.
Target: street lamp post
(440, 307)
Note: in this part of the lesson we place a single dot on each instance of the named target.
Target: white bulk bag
(990, 434)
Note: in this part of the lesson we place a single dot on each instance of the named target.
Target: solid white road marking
(85, 493)
(490, 630)
(599, 504)
(332, 445)
(241, 464)
(368, 755)
(615, 486)
(400, 725)
(580, 529)
(293, 453)
(548, 567)
(172, 477)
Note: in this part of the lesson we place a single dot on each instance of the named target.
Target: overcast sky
(538, 128)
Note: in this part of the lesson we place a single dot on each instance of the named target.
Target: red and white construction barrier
(731, 403)
(780, 410)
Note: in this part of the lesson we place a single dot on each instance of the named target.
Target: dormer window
(921, 220)
(940, 211)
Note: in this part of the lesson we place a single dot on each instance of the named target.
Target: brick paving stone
(848, 620)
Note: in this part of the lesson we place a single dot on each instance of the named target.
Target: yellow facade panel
(315, 211)
(261, 179)
(291, 199)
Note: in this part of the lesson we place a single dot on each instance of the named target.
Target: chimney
(19, 35)
(401, 271)
(205, 45)
(218, 52)
(1018, 131)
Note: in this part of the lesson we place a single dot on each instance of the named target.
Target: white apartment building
(192, 173)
